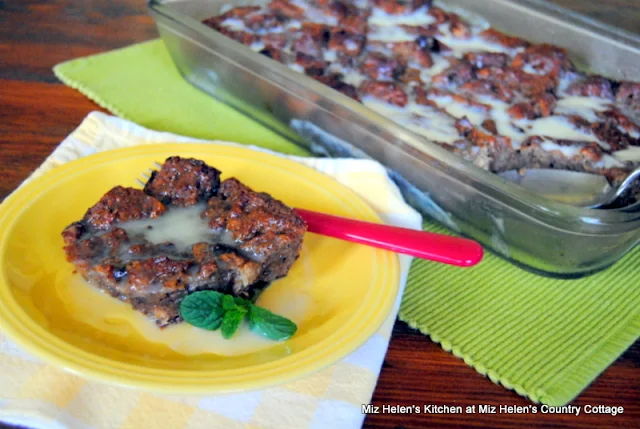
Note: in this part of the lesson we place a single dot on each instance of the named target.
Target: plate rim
(90, 365)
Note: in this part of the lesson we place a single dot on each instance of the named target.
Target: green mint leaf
(240, 302)
(203, 309)
(231, 321)
(228, 303)
(270, 325)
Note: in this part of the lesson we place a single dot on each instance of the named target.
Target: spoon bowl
(572, 187)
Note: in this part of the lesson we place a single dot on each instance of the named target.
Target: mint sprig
(231, 321)
(203, 309)
(212, 310)
(270, 325)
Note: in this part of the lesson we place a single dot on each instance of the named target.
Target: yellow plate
(348, 289)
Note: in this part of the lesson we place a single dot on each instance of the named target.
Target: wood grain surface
(37, 112)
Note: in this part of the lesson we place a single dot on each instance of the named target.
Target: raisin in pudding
(185, 231)
(498, 101)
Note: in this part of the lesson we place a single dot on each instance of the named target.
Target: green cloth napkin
(546, 339)
(141, 84)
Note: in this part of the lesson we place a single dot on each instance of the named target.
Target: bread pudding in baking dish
(499, 101)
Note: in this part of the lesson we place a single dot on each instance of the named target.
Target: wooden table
(37, 112)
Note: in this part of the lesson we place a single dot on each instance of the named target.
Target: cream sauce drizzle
(350, 76)
(459, 110)
(556, 127)
(313, 14)
(234, 24)
(296, 67)
(440, 64)
(330, 55)
(631, 154)
(608, 161)
(424, 120)
(385, 27)
(633, 133)
(390, 34)
(585, 107)
(504, 123)
(567, 151)
(178, 225)
(257, 46)
(474, 43)
(415, 18)
(183, 227)
(559, 127)
(108, 315)
(434, 127)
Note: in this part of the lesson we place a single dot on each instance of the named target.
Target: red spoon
(425, 245)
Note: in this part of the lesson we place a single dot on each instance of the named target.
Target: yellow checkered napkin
(38, 395)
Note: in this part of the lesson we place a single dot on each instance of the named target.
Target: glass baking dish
(539, 234)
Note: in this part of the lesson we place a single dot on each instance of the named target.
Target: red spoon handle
(424, 245)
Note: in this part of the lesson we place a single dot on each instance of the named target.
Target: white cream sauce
(350, 76)
(111, 316)
(459, 110)
(234, 24)
(313, 14)
(257, 46)
(437, 127)
(608, 161)
(559, 127)
(555, 127)
(178, 225)
(631, 154)
(330, 55)
(504, 123)
(440, 64)
(569, 151)
(633, 133)
(585, 107)
(538, 71)
(390, 34)
(415, 18)
(296, 67)
(350, 45)
(424, 120)
(565, 82)
(474, 43)
(383, 107)
(385, 27)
